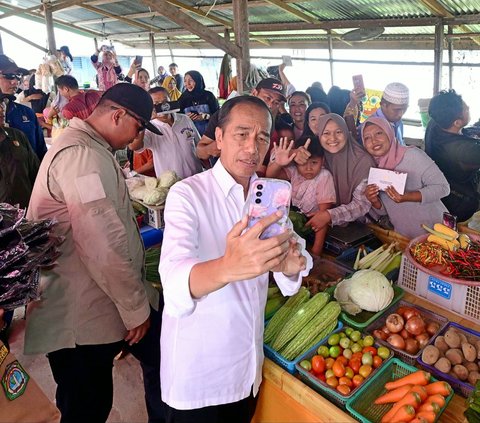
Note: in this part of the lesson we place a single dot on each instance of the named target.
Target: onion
(411, 346)
(385, 330)
(396, 341)
(432, 328)
(423, 339)
(409, 312)
(380, 334)
(395, 323)
(415, 325)
(404, 334)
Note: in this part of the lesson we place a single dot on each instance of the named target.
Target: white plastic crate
(462, 299)
(154, 216)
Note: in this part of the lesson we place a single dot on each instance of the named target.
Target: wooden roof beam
(195, 27)
(213, 18)
(119, 18)
(292, 10)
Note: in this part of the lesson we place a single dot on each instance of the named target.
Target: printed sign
(439, 287)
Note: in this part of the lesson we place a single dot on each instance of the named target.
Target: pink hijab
(395, 155)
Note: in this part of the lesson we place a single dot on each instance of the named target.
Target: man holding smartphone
(215, 277)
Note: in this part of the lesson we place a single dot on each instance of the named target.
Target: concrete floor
(128, 397)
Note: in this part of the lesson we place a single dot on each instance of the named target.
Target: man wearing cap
(17, 115)
(272, 92)
(96, 298)
(393, 106)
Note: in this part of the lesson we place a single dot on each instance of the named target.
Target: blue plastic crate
(289, 366)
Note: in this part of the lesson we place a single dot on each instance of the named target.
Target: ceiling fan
(363, 34)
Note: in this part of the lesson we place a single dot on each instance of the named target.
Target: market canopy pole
(438, 59)
(49, 22)
(330, 55)
(154, 55)
(242, 40)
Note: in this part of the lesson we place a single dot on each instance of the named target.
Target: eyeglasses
(11, 76)
(141, 122)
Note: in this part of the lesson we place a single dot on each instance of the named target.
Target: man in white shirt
(175, 148)
(215, 277)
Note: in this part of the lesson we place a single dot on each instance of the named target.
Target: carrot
(442, 388)
(438, 399)
(430, 406)
(406, 413)
(395, 395)
(429, 416)
(419, 377)
(420, 390)
(418, 420)
(411, 398)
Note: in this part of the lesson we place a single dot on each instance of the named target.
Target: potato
(469, 352)
(462, 337)
(460, 371)
(452, 339)
(441, 344)
(430, 354)
(473, 377)
(477, 346)
(472, 367)
(454, 355)
(443, 365)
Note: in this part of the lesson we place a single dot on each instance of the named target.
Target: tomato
(338, 369)
(355, 364)
(377, 361)
(332, 381)
(318, 364)
(321, 377)
(357, 380)
(349, 372)
(371, 350)
(358, 355)
(344, 389)
(345, 381)
(335, 351)
(342, 360)
(329, 373)
(365, 370)
(329, 362)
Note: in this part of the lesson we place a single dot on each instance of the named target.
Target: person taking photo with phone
(215, 277)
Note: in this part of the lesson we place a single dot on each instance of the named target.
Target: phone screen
(139, 60)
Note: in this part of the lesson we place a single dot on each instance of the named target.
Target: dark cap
(7, 65)
(273, 85)
(135, 100)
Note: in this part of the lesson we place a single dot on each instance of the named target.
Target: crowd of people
(207, 326)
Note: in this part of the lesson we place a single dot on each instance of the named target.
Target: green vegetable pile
(472, 413)
(299, 220)
(152, 260)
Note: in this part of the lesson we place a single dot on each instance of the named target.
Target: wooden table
(284, 398)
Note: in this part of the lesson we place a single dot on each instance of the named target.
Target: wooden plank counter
(284, 398)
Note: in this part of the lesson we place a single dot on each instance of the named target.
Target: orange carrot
(418, 420)
(395, 395)
(406, 413)
(430, 406)
(442, 388)
(429, 416)
(420, 390)
(411, 398)
(419, 377)
(438, 399)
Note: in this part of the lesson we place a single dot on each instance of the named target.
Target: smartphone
(450, 220)
(287, 60)
(265, 197)
(167, 107)
(358, 84)
(138, 60)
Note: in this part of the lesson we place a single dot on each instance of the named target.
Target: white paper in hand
(384, 178)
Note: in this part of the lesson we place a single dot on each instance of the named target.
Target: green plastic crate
(362, 406)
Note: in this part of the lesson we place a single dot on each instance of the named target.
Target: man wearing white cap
(393, 106)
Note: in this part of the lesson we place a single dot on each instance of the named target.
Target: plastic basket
(362, 406)
(428, 316)
(322, 387)
(462, 297)
(289, 366)
(463, 388)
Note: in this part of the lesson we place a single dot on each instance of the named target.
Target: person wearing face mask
(17, 115)
(108, 69)
(425, 187)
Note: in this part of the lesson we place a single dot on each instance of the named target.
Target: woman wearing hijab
(425, 186)
(170, 84)
(349, 164)
(196, 102)
(66, 59)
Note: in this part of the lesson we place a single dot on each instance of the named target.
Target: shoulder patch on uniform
(14, 380)
(3, 354)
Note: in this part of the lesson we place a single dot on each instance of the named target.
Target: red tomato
(345, 381)
(357, 380)
(321, 376)
(318, 364)
(332, 381)
(377, 361)
(358, 355)
(329, 362)
(338, 369)
(344, 389)
(355, 364)
(342, 359)
(371, 350)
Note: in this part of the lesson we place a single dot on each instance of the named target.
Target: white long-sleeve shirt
(211, 348)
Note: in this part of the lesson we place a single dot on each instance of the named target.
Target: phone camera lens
(259, 194)
(260, 186)
(258, 201)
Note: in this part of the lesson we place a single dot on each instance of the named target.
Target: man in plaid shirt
(80, 102)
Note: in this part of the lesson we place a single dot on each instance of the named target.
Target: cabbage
(150, 182)
(139, 192)
(133, 183)
(367, 289)
(155, 196)
(168, 178)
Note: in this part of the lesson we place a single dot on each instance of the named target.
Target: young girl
(312, 185)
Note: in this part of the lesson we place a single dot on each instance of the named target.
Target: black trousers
(84, 381)
(236, 412)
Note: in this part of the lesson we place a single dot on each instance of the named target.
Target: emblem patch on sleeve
(14, 380)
